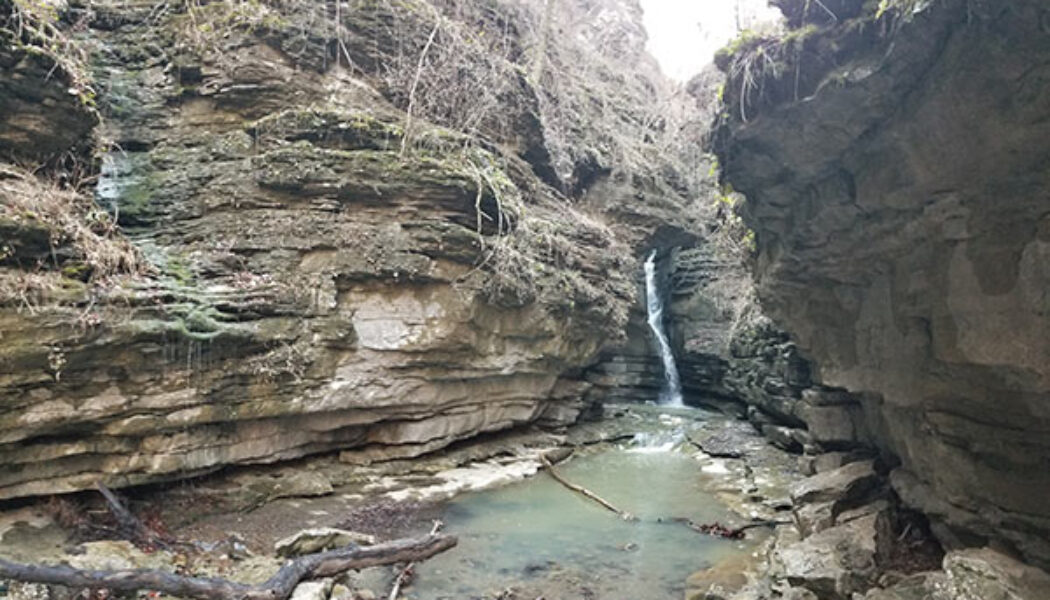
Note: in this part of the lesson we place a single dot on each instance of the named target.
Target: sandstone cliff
(894, 159)
(326, 227)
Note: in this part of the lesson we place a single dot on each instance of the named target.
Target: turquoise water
(537, 537)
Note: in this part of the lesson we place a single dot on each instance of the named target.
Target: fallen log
(278, 587)
(626, 516)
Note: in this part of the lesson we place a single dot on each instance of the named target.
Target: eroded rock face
(312, 286)
(895, 170)
(43, 110)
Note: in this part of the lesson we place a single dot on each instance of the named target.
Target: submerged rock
(838, 561)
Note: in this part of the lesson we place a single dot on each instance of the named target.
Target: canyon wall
(895, 164)
(308, 232)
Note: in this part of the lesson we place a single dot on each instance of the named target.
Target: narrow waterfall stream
(671, 394)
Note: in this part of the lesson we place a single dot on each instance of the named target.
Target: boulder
(920, 586)
(985, 574)
(850, 483)
(312, 590)
(813, 517)
(838, 561)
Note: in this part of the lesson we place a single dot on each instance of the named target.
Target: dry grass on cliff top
(71, 220)
(542, 78)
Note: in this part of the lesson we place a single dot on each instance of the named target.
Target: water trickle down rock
(672, 392)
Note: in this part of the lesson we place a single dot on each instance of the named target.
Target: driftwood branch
(584, 491)
(278, 587)
(719, 530)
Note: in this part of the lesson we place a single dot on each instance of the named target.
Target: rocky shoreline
(845, 534)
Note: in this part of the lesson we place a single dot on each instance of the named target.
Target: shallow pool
(536, 537)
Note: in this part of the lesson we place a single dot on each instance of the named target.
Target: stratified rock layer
(896, 170)
(314, 284)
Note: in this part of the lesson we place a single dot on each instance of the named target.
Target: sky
(684, 34)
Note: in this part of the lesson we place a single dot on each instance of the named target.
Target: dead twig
(407, 133)
(626, 516)
(409, 570)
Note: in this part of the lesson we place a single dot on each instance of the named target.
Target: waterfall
(671, 394)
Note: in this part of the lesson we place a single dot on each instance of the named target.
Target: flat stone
(827, 397)
(838, 425)
(872, 508)
(719, 582)
(848, 483)
(797, 593)
(303, 483)
(921, 586)
(111, 555)
(310, 541)
(719, 443)
(832, 460)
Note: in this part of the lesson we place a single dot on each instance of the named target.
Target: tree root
(129, 526)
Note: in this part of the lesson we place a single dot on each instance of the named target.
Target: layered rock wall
(895, 166)
(316, 265)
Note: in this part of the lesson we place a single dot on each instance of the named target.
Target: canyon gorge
(244, 238)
